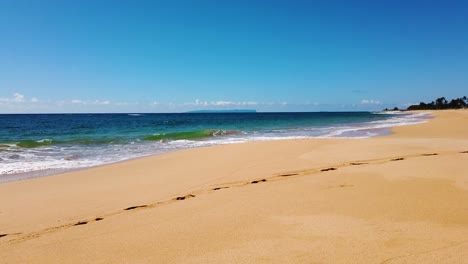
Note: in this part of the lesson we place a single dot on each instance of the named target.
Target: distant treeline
(441, 103)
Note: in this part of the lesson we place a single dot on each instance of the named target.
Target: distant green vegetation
(441, 103)
(394, 109)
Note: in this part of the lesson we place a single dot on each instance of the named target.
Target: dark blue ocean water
(41, 144)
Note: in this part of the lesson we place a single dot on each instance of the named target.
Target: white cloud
(95, 102)
(227, 103)
(222, 103)
(198, 102)
(17, 98)
(34, 100)
(371, 102)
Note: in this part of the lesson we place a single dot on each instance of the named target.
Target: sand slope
(396, 199)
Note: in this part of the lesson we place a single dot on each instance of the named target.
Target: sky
(175, 56)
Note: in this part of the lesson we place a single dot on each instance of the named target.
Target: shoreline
(28, 175)
(388, 196)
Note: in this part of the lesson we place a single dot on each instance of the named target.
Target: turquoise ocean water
(33, 145)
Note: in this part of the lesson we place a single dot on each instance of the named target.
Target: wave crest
(34, 143)
(191, 135)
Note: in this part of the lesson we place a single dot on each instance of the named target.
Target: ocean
(34, 145)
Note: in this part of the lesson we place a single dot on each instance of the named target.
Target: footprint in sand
(12, 234)
(358, 163)
(219, 188)
(180, 198)
(262, 180)
(289, 174)
(135, 207)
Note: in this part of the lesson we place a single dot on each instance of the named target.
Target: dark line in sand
(219, 188)
(397, 159)
(289, 174)
(98, 219)
(262, 180)
(81, 223)
(358, 163)
(430, 154)
(135, 207)
(12, 234)
(328, 169)
(181, 198)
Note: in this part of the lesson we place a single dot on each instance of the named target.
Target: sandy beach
(401, 198)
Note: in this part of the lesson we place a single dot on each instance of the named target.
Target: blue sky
(172, 56)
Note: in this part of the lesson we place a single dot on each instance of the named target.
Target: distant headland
(224, 111)
(441, 104)
(438, 104)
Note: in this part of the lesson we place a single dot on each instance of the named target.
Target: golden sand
(401, 198)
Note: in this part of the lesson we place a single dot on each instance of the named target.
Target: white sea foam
(376, 128)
